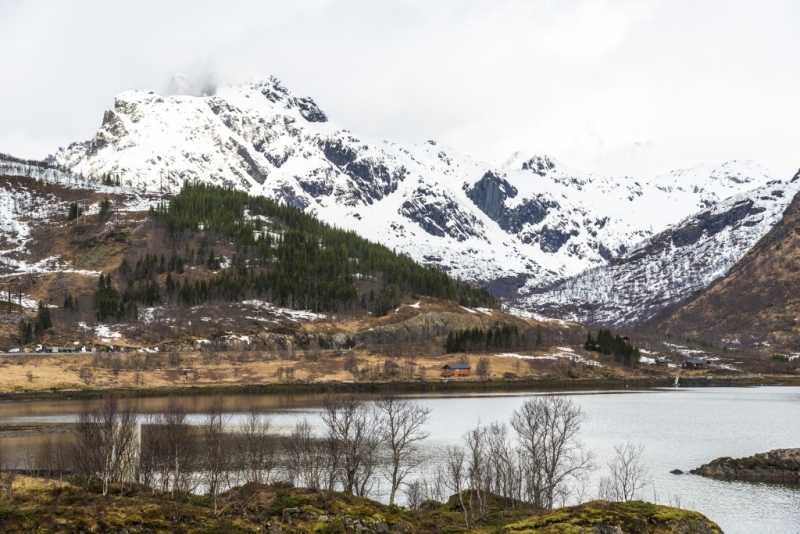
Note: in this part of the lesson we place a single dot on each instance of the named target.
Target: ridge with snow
(525, 228)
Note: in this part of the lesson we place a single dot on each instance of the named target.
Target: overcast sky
(633, 87)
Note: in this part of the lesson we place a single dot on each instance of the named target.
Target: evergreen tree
(25, 331)
(105, 207)
(607, 343)
(74, 211)
(43, 317)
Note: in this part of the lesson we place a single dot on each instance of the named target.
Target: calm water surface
(680, 428)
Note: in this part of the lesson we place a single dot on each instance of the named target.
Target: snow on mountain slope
(40, 172)
(671, 266)
(531, 221)
(28, 206)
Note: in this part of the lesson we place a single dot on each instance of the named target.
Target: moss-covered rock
(37, 506)
(602, 517)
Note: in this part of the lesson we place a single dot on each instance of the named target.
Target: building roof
(698, 361)
(457, 366)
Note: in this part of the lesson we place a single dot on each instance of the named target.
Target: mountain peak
(539, 164)
(278, 94)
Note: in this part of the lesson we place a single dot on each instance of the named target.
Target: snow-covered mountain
(671, 266)
(525, 225)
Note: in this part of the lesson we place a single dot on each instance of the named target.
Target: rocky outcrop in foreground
(602, 517)
(52, 506)
(781, 465)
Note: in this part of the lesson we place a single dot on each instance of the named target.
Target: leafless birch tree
(181, 456)
(216, 463)
(305, 461)
(105, 447)
(256, 448)
(628, 476)
(401, 424)
(552, 455)
(351, 426)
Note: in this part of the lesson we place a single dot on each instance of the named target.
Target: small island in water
(780, 465)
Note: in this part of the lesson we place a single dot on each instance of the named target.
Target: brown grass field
(38, 372)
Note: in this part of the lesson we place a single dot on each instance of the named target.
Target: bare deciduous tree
(105, 447)
(478, 473)
(152, 454)
(431, 485)
(256, 447)
(331, 457)
(305, 464)
(503, 465)
(217, 456)
(44, 458)
(483, 368)
(401, 424)
(475, 473)
(456, 479)
(351, 427)
(552, 456)
(61, 456)
(628, 476)
(415, 494)
(180, 455)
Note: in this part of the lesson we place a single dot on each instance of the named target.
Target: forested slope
(227, 246)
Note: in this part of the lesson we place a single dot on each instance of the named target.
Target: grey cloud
(705, 81)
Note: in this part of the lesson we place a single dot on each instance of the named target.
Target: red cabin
(456, 369)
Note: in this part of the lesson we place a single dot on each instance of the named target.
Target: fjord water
(679, 428)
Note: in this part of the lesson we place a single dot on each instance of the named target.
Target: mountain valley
(549, 240)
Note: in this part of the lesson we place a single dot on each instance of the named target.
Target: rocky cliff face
(532, 218)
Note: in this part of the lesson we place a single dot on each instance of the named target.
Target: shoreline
(417, 386)
(777, 466)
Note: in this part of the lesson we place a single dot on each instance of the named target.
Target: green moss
(638, 507)
(634, 517)
(69, 508)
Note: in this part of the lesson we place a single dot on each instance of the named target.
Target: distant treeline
(31, 162)
(607, 343)
(280, 254)
(497, 338)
